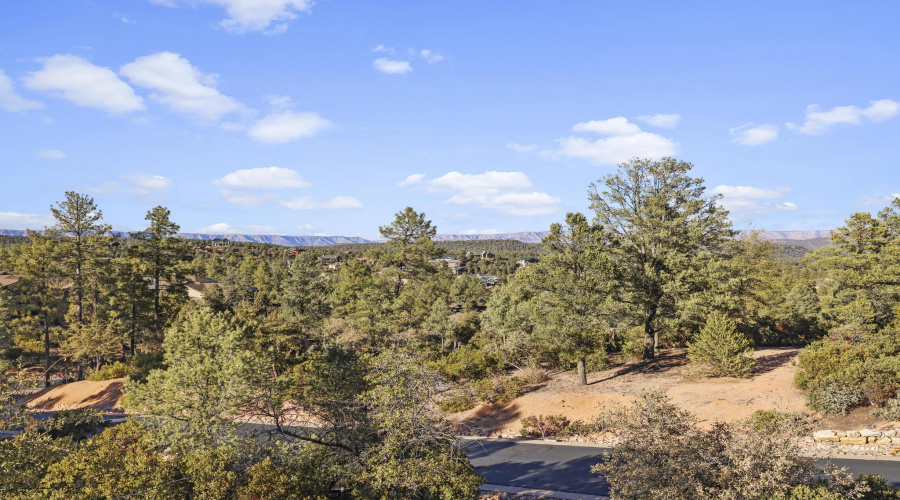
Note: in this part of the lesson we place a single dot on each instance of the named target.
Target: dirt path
(711, 400)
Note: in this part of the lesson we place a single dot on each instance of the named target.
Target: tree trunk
(582, 371)
(649, 333)
(46, 355)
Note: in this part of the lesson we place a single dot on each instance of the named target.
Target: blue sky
(288, 117)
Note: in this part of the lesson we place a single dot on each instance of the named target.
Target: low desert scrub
(664, 455)
(455, 404)
(498, 389)
(534, 375)
(544, 425)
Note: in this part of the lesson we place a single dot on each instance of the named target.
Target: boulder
(853, 434)
(884, 440)
(819, 435)
(869, 433)
(891, 433)
(854, 440)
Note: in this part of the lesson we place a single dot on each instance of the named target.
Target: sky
(295, 117)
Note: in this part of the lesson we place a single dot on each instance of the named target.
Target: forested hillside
(352, 354)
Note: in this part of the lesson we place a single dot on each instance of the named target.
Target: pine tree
(720, 350)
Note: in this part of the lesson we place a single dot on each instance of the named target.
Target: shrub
(534, 375)
(137, 367)
(76, 424)
(772, 421)
(835, 398)
(665, 455)
(720, 350)
(633, 345)
(455, 404)
(111, 371)
(500, 390)
(890, 410)
(543, 425)
(468, 362)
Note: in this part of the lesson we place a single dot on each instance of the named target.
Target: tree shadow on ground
(538, 466)
(765, 364)
(664, 361)
(487, 418)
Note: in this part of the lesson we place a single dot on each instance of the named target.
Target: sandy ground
(722, 399)
(104, 395)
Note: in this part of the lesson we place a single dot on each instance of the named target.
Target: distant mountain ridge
(810, 239)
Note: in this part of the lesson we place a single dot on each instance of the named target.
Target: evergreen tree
(79, 224)
(161, 254)
(661, 225)
(719, 350)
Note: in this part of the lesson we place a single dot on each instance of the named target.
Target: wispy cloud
(754, 135)
(622, 141)
(819, 121)
(84, 84)
(391, 66)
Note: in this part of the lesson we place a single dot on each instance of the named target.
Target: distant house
(487, 280)
(487, 255)
(526, 261)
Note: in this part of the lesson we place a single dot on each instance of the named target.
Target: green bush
(633, 344)
(835, 398)
(890, 410)
(497, 389)
(771, 421)
(719, 350)
(76, 424)
(544, 425)
(468, 363)
(111, 371)
(137, 367)
(455, 404)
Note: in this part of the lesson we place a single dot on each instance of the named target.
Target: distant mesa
(809, 239)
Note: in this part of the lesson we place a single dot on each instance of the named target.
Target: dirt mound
(712, 400)
(104, 395)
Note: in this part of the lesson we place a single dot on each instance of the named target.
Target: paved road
(566, 468)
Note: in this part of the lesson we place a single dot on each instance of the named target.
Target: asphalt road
(566, 468)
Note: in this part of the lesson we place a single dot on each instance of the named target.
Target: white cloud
(180, 86)
(286, 126)
(383, 48)
(78, 81)
(660, 120)
(430, 56)
(521, 148)
(135, 185)
(754, 135)
(306, 228)
(15, 220)
(223, 228)
(410, 180)
(625, 141)
(506, 192)
(818, 122)
(10, 100)
(745, 201)
(263, 178)
(270, 16)
(880, 199)
(391, 67)
(336, 203)
(51, 154)
(279, 102)
(614, 126)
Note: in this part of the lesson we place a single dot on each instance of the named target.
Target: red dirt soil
(103, 395)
